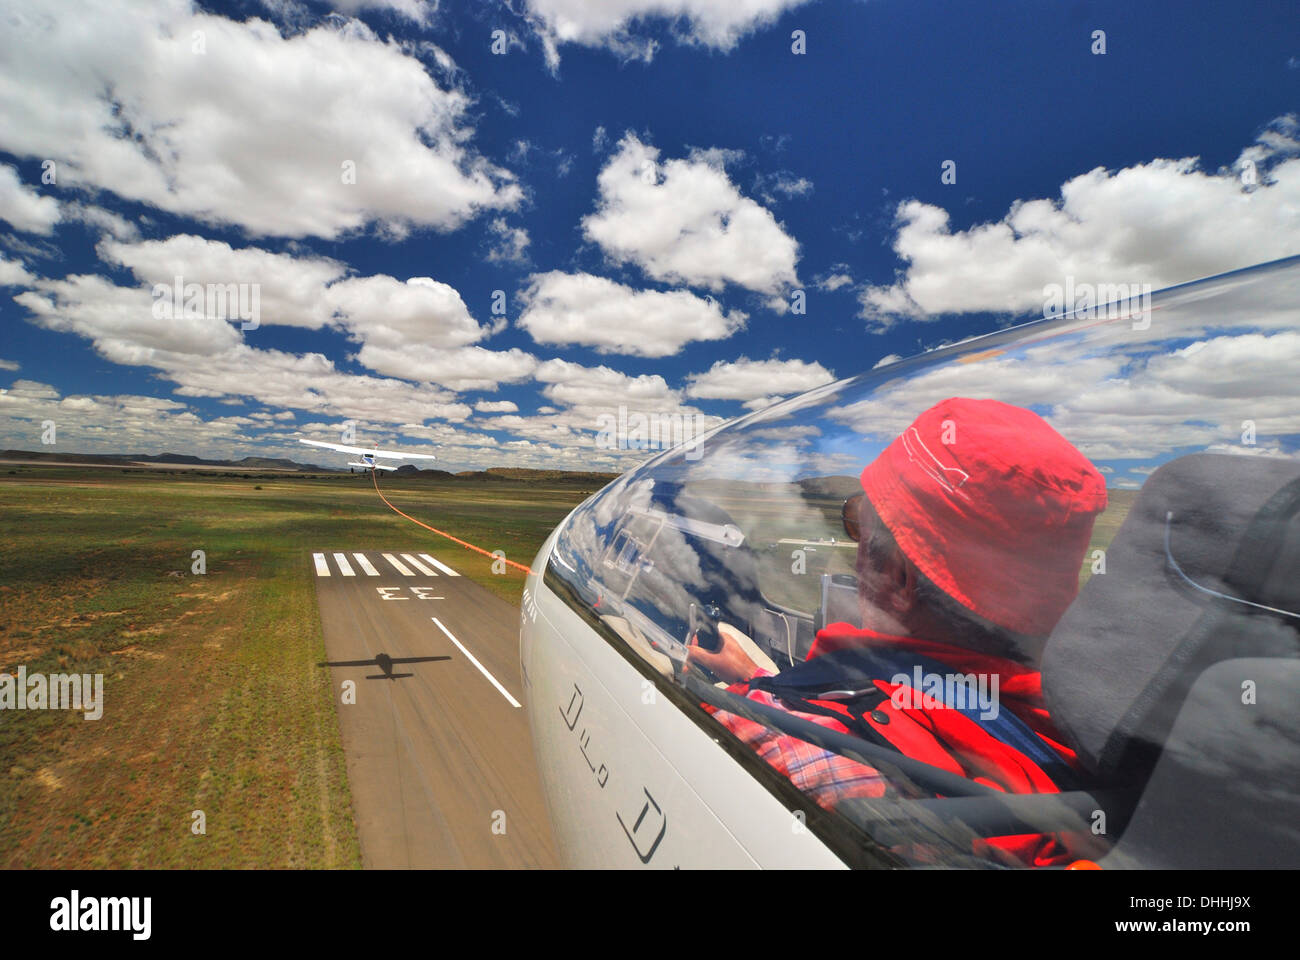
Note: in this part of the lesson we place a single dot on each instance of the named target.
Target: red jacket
(927, 731)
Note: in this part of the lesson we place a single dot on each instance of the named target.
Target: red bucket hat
(993, 506)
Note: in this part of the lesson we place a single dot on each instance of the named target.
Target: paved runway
(439, 756)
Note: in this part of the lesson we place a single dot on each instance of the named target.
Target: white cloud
(308, 382)
(512, 243)
(746, 379)
(292, 289)
(782, 183)
(833, 279)
(118, 424)
(496, 406)
(12, 273)
(463, 368)
(611, 24)
(582, 397)
(572, 384)
(106, 221)
(121, 321)
(580, 308)
(251, 131)
(385, 312)
(23, 207)
(311, 292)
(419, 12)
(9, 365)
(1163, 222)
(684, 221)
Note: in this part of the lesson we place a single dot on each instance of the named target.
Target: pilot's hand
(729, 662)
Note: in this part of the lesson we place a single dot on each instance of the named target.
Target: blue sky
(650, 194)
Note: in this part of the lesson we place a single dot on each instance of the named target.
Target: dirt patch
(48, 779)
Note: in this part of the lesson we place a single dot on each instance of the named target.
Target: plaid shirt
(825, 776)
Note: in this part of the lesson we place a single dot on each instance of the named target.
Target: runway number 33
(394, 593)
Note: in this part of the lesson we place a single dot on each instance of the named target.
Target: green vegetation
(213, 698)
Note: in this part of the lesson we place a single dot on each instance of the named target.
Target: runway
(439, 756)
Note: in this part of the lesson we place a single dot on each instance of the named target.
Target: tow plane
(369, 455)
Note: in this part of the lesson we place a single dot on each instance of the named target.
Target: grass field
(214, 702)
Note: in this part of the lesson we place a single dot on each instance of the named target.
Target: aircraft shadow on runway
(384, 662)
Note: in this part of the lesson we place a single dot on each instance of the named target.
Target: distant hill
(505, 474)
(177, 459)
(406, 471)
(526, 473)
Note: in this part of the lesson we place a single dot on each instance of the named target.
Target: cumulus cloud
(98, 218)
(419, 12)
(385, 312)
(579, 308)
(765, 380)
(511, 243)
(833, 279)
(1216, 359)
(496, 406)
(13, 273)
(612, 24)
(118, 424)
(581, 399)
(1163, 222)
(781, 184)
(313, 292)
(121, 321)
(464, 368)
(247, 129)
(418, 330)
(291, 288)
(23, 207)
(684, 221)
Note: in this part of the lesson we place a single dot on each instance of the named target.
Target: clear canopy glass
(1186, 409)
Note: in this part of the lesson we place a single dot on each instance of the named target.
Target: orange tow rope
(375, 476)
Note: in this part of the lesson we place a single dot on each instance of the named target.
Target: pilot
(972, 526)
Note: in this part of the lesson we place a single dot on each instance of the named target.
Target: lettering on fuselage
(650, 823)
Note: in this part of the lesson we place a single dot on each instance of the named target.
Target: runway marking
(441, 566)
(418, 565)
(481, 669)
(366, 565)
(322, 568)
(397, 565)
(345, 568)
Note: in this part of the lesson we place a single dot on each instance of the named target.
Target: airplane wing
(368, 451)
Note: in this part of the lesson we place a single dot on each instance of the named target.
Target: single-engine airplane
(368, 455)
(1067, 634)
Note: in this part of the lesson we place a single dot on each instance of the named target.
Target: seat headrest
(1205, 533)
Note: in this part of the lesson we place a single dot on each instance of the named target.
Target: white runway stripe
(397, 565)
(322, 568)
(441, 566)
(481, 669)
(418, 565)
(366, 565)
(345, 568)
